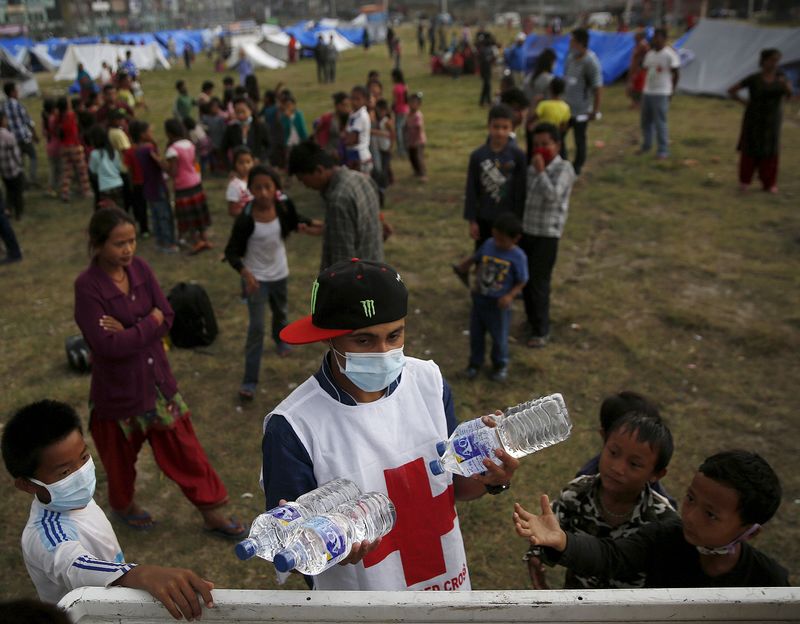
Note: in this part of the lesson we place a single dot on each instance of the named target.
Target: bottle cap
(246, 549)
(284, 561)
(436, 467)
(441, 447)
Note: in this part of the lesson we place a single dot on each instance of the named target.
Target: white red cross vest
(385, 446)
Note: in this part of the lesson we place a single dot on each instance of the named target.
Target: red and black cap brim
(303, 331)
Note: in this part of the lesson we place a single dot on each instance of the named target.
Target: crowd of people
(614, 525)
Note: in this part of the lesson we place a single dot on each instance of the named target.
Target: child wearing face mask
(550, 180)
(68, 542)
(732, 494)
(256, 251)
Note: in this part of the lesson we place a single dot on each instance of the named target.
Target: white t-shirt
(265, 257)
(659, 65)
(359, 122)
(237, 191)
(67, 550)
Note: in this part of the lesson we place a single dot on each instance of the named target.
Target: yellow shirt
(126, 96)
(119, 141)
(555, 112)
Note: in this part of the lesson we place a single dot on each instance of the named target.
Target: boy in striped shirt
(68, 542)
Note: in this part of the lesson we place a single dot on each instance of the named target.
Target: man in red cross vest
(373, 415)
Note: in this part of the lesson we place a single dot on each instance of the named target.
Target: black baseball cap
(347, 296)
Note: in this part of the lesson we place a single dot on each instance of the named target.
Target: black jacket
(257, 139)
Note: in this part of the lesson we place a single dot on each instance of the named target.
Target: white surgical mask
(729, 548)
(372, 371)
(74, 491)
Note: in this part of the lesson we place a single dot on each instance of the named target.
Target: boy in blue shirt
(68, 542)
(500, 275)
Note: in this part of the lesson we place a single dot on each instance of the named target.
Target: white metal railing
(651, 606)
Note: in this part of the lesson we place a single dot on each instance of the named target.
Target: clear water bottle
(274, 528)
(524, 429)
(323, 541)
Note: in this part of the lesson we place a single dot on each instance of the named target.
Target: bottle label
(469, 450)
(285, 514)
(333, 536)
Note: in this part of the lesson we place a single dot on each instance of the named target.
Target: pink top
(400, 96)
(186, 175)
(415, 130)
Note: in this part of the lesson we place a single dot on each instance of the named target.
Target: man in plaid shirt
(550, 180)
(11, 167)
(22, 126)
(353, 226)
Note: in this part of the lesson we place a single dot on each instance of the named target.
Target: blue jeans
(400, 125)
(486, 316)
(275, 294)
(654, 118)
(161, 220)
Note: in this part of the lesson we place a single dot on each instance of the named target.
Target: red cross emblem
(422, 520)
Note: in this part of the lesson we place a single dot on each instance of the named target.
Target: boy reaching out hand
(731, 496)
(68, 541)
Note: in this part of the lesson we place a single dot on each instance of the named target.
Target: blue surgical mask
(372, 372)
(729, 548)
(74, 491)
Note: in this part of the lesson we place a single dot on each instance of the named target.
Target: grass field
(669, 282)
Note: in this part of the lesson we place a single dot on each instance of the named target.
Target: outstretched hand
(543, 530)
(175, 588)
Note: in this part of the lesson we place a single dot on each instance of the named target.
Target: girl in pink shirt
(415, 137)
(191, 209)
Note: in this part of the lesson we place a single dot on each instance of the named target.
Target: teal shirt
(106, 169)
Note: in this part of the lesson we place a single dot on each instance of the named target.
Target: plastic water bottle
(274, 528)
(323, 541)
(525, 429)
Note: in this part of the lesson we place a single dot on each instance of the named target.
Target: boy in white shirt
(358, 132)
(662, 64)
(68, 542)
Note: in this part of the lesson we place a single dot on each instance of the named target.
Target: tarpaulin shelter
(612, 49)
(192, 38)
(257, 57)
(146, 57)
(11, 70)
(16, 46)
(38, 59)
(276, 42)
(717, 54)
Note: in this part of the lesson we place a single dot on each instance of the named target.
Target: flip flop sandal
(135, 521)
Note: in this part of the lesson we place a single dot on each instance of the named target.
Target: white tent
(37, 58)
(339, 41)
(257, 57)
(12, 70)
(719, 53)
(275, 42)
(145, 57)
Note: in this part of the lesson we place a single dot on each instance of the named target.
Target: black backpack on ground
(195, 324)
(79, 358)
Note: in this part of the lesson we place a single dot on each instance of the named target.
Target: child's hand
(504, 302)
(537, 572)
(543, 530)
(250, 281)
(538, 163)
(175, 588)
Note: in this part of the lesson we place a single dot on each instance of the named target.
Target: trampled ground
(668, 282)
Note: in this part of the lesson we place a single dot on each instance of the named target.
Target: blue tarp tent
(613, 50)
(353, 35)
(183, 38)
(131, 38)
(16, 46)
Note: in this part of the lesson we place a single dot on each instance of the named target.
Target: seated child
(501, 274)
(731, 496)
(68, 541)
(619, 499)
(237, 194)
(613, 408)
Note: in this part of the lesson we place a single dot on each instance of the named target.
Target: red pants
(177, 452)
(767, 170)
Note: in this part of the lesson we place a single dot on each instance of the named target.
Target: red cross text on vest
(422, 520)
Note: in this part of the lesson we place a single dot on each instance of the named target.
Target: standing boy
(495, 177)
(731, 496)
(373, 415)
(616, 501)
(663, 66)
(358, 132)
(584, 86)
(550, 180)
(22, 127)
(68, 542)
(501, 274)
(11, 168)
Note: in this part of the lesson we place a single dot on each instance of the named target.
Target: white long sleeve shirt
(64, 551)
